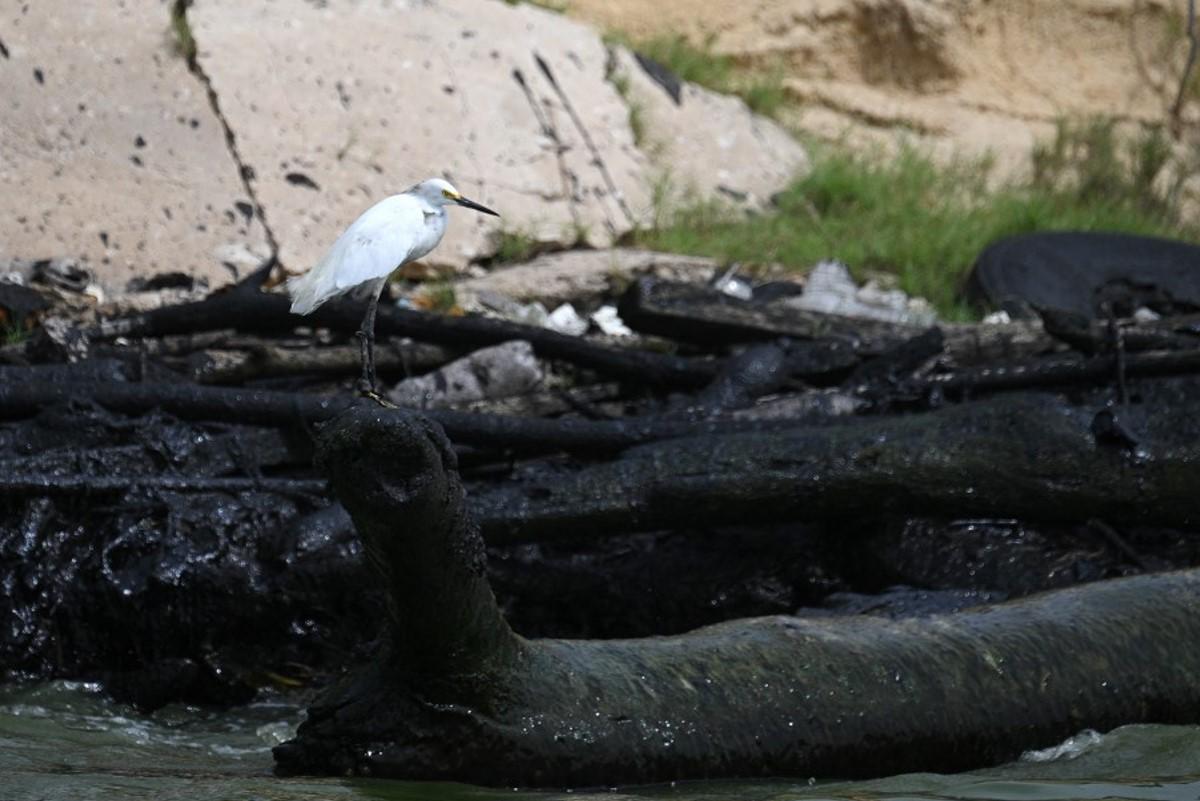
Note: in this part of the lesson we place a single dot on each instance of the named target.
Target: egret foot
(366, 392)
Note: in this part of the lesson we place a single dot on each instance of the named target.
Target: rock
(581, 276)
(511, 102)
(501, 371)
(708, 144)
(111, 152)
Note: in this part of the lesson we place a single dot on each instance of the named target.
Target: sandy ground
(957, 76)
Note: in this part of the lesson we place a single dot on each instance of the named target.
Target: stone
(110, 152)
(581, 276)
(706, 144)
(501, 371)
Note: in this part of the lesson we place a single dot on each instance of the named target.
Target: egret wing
(376, 243)
(379, 241)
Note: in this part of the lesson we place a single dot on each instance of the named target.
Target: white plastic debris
(607, 319)
(830, 289)
(502, 305)
(1144, 315)
(1067, 749)
(729, 283)
(565, 320)
(501, 371)
(997, 318)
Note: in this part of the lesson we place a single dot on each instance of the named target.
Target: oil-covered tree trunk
(458, 695)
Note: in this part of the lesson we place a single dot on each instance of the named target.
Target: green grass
(185, 42)
(762, 91)
(441, 296)
(514, 247)
(637, 114)
(922, 222)
(13, 334)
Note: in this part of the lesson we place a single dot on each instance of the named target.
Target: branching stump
(457, 695)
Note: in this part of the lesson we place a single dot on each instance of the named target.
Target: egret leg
(366, 339)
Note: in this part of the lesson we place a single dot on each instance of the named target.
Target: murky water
(64, 742)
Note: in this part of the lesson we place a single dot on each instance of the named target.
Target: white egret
(393, 232)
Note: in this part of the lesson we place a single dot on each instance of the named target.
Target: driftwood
(247, 309)
(457, 695)
(1027, 456)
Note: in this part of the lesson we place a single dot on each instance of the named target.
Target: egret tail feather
(307, 292)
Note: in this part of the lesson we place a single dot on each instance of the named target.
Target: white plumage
(393, 232)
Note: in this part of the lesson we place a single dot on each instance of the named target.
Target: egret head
(437, 193)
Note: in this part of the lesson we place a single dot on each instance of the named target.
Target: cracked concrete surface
(426, 88)
(509, 102)
(119, 152)
(110, 152)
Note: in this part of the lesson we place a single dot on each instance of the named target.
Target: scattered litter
(565, 320)
(1068, 749)
(501, 371)
(607, 319)
(830, 290)
(67, 274)
(729, 283)
(502, 305)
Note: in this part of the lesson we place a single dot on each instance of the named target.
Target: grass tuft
(637, 113)
(515, 246)
(184, 41)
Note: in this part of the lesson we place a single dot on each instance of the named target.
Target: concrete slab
(109, 149)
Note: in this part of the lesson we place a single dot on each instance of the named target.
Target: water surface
(63, 741)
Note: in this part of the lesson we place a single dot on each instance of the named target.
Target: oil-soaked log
(242, 360)
(457, 695)
(1063, 370)
(40, 484)
(698, 314)
(287, 409)
(1090, 336)
(687, 312)
(249, 310)
(1027, 456)
(898, 362)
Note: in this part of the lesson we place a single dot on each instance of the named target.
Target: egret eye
(447, 194)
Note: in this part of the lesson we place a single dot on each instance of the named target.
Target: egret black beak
(471, 204)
